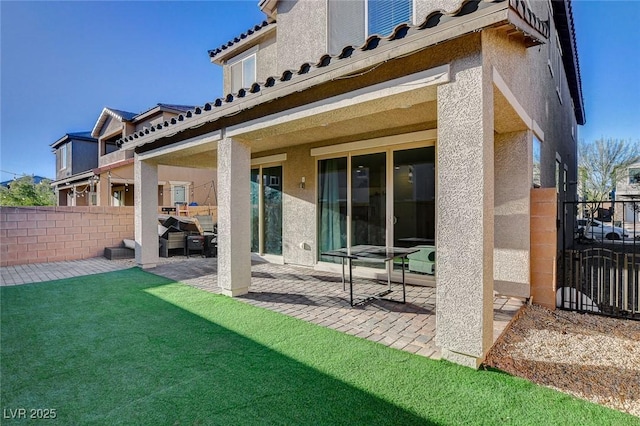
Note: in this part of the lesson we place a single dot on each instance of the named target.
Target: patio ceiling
(337, 121)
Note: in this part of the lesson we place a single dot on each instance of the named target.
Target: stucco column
(513, 175)
(104, 190)
(146, 212)
(464, 239)
(234, 235)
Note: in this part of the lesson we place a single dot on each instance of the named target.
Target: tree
(25, 192)
(602, 164)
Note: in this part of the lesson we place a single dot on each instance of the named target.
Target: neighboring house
(404, 123)
(76, 157)
(93, 170)
(628, 191)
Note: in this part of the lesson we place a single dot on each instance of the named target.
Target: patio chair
(423, 261)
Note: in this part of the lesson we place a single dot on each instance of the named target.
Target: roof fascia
(106, 113)
(268, 7)
(563, 17)
(69, 138)
(76, 177)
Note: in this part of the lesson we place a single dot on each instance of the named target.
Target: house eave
(242, 45)
(203, 121)
(73, 179)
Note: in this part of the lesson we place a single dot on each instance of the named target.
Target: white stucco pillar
(146, 212)
(234, 210)
(465, 232)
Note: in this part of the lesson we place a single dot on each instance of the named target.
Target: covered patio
(318, 297)
(299, 292)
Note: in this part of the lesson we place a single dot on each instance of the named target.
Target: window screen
(385, 15)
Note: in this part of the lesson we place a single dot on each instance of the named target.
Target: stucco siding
(424, 7)
(304, 36)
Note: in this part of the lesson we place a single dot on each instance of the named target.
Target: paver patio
(303, 293)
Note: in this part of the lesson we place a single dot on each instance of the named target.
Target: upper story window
(384, 15)
(243, 70)
(63, 157)
(350, 22)
(634, 175)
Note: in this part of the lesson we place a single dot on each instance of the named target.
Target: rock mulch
(591, 357)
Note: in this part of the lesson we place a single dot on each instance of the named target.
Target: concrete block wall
(53, 234)
(544, 250)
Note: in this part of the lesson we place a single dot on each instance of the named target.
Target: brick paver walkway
(299, 292)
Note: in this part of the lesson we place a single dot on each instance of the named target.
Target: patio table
(369, 253)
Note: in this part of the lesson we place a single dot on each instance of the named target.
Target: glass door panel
(332, 206)
(272, 221)
(368, 201)
(255, 210)
(414, 206)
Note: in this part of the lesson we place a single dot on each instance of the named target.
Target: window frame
(368, 34)
(177, 184)
(240, 60)
(63, 157)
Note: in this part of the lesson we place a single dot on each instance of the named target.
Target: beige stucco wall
(200, 180)
(465, 194)
(424, 7)
(305, 37)
(527, 74)
(513, 170)
(299, 208)
(111, 126)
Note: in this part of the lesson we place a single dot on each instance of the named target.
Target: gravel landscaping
(592, 357)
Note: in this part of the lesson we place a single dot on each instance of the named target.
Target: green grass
(130, 347)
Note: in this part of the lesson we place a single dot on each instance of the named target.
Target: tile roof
(251, 31)
(563, 18)
(432, 20)
(174, 107)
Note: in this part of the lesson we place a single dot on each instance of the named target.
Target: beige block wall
(53, 234)
(544, 235)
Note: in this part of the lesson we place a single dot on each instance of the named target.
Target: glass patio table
(370, 253)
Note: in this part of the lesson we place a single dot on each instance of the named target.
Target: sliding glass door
(368, 199)
(332, 205)
(384, 198)
(266, 210)
(414, 206)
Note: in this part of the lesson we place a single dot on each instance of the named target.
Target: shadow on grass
(130, 347)
(104, 349)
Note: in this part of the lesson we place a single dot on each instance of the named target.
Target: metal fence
(599, 268)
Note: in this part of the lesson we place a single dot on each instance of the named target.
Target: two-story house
(405, 123)
(76, 157)
(93, 170)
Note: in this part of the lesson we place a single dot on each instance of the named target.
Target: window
(350, 22)
(536, 162)
(243, 71)
(634, 175)
(384, 15)
(179, 192)
(63, 157)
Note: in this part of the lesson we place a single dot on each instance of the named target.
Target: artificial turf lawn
(130, 347)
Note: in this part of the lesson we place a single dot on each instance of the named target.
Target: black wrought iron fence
(600, 266)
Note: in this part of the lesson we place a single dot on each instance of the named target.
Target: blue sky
(62, 62)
